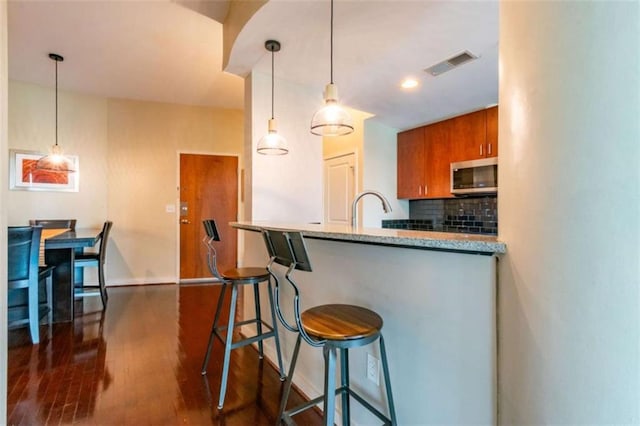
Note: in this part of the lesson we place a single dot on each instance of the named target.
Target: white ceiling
(161, 51)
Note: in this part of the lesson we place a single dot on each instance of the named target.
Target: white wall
(82, 131)
(380, 174)
(285, 187)
(145, 139)
(569, 212)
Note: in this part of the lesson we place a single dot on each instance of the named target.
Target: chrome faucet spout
(354, 206)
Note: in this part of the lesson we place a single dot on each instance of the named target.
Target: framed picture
(24, 176)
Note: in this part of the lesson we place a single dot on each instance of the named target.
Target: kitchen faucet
(354, 211)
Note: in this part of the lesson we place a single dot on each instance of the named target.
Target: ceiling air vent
(451, 63)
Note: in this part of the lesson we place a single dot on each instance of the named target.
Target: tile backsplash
(415, 224)
(473, 215)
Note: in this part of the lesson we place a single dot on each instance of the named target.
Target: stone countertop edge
(446, 241)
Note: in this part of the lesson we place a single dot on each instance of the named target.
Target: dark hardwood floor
(138, 363)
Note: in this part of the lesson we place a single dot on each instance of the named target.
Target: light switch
(170, 208)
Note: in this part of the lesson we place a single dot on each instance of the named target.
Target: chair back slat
(211, 229)
(278, 247)
(104, 239)
(23, 251)
(287, 248)
(299, 251)
(54, 223)
(212, 235)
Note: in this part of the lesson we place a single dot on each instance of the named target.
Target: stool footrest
(299, 409)
(248, 340)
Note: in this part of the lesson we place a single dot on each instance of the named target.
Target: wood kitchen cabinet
(468, 136)
(492, 131)
(437, 142)
(425, 153)
(475, 135)
(411, 162)
(423, 162)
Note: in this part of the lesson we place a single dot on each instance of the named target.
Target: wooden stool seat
(249, 274)
(341, 322)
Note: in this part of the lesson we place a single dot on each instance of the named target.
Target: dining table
(59, 251)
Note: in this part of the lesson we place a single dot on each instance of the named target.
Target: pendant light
(331, 119)
(55, 161)
(272, 143)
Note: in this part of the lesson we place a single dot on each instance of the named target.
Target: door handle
(184, 221)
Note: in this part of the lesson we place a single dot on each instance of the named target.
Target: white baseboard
(141, 281)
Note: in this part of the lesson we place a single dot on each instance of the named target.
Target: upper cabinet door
(492, 131)
(437, 138)
(468, 136)
(411, 160)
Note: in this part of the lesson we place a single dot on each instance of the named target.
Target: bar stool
(333, 327)
(236, 277)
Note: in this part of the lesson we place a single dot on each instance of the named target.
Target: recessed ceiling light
(409, 83)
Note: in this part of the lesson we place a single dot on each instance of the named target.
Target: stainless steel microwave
(475, 177)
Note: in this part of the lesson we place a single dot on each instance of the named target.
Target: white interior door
(339, 189)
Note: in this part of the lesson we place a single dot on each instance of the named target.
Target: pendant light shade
(331, 119)
(272, 143)
(55, 161)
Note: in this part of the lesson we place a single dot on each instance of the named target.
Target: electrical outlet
(373, 369)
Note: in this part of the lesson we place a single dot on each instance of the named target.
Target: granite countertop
(426, 240)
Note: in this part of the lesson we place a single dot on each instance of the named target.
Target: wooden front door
(208, 190)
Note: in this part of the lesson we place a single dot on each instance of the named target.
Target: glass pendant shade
(331, 119)
(272, 143)
(55, 161)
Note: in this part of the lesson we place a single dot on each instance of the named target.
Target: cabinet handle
(426, 189)
(419, 189)
(489, 149)
(481, 154)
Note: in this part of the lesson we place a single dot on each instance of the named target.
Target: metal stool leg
(387, 382)
(289, 381)
(275, 332)
(227, 345)
(214, 326)
(329, 353)
(344, 383)
(256, 297)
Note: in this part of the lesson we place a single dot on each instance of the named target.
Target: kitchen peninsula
(437, 295)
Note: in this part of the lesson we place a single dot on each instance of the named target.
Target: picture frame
(23, 175)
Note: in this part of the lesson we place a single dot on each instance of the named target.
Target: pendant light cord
(272, 90)
(331, 42)
(56, 102)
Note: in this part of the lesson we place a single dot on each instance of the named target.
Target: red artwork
(30, 174)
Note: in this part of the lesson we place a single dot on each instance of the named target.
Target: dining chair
(45, 272)
(23, 279)
(94, 259)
